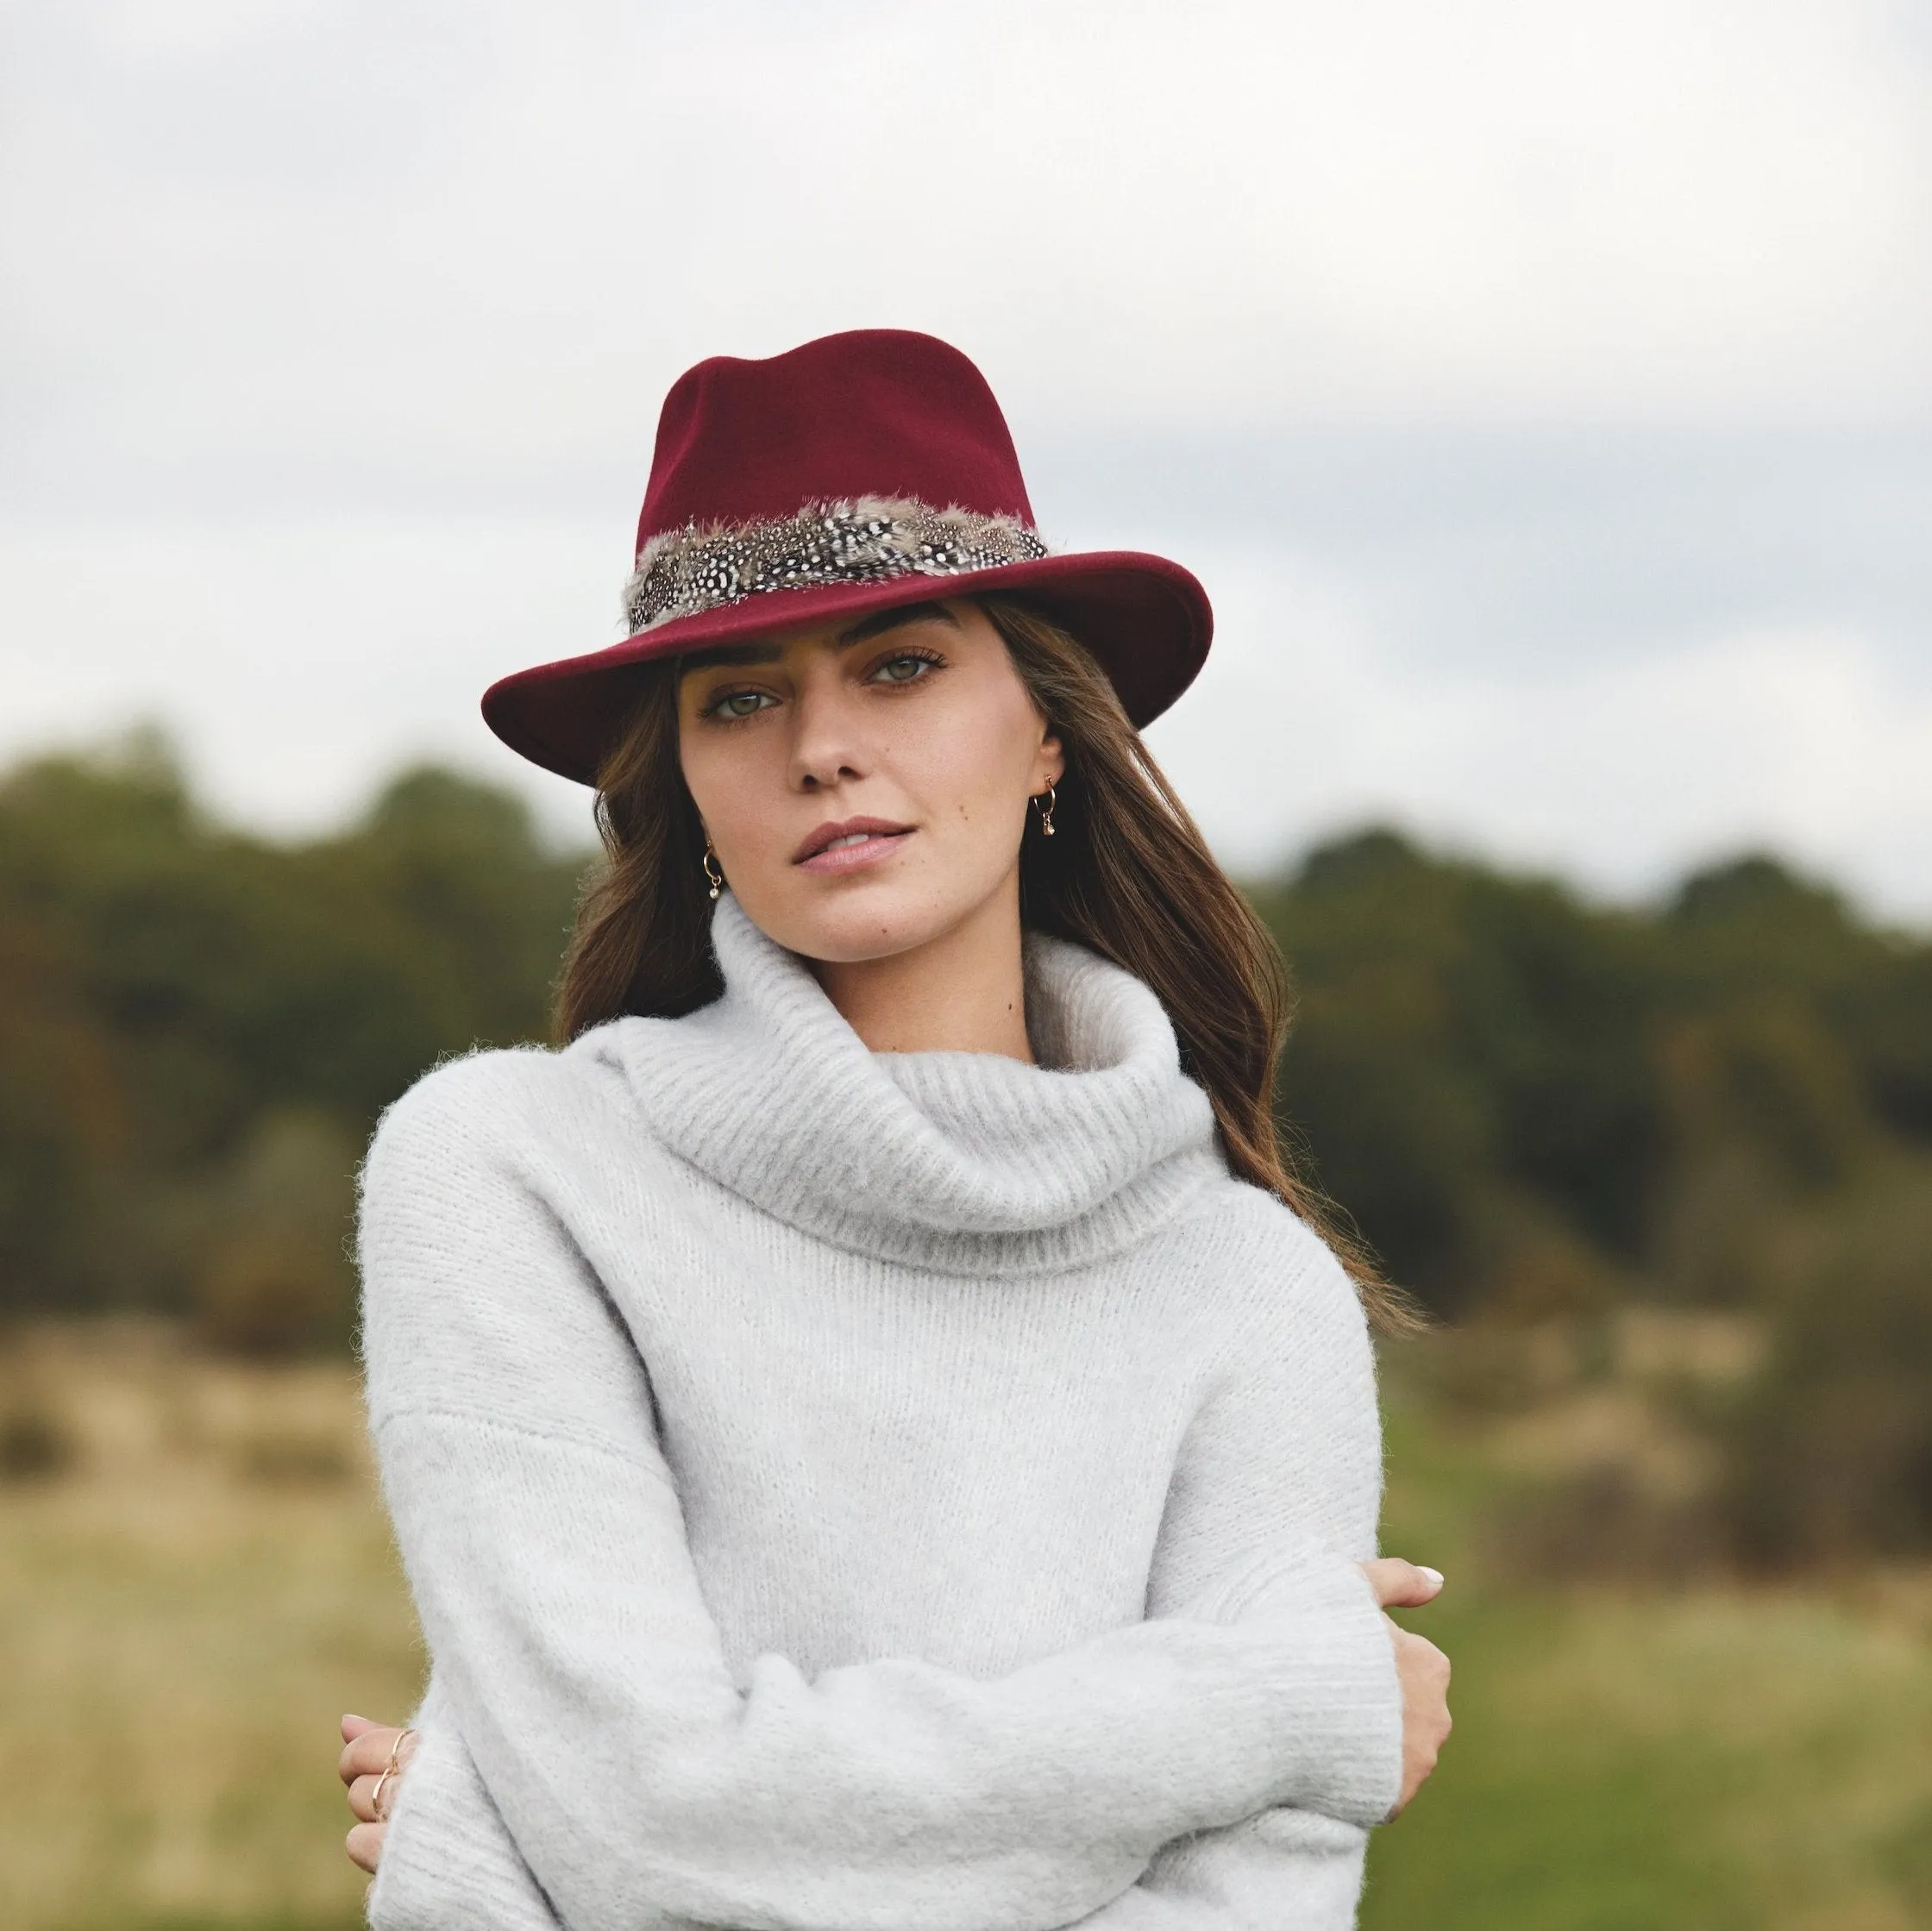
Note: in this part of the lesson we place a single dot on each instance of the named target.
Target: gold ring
(393, 1768)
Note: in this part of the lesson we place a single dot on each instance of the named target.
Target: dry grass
(185, 1609)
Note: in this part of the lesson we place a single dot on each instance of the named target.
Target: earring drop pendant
(713, 873)
(1046, 804)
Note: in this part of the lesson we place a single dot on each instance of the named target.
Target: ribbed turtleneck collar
(963, 1161)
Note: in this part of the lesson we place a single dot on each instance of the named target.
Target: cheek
(972, 770)
(736, 799)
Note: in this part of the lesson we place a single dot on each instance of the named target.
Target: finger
(365, 1791)
(1402, 1585)
(364, 1845)
(1427, 1659)
(353, 1726)
(370, 1751)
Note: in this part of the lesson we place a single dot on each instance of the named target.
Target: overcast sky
(1543, 392)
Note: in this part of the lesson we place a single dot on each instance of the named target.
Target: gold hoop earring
(711, 872)
(1046, 800)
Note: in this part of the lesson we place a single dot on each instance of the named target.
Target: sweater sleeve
(1274, 1503)
(448, 1860)
(641, 1784)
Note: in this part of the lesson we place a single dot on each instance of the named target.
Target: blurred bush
(34, 1444)
(1831, 1448)
(272, 1273)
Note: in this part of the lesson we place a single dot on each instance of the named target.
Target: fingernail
(1434, 1575)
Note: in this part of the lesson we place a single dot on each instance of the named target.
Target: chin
(851, 926)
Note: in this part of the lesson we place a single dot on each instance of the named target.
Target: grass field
(185, 1613)
(190, 1601)
(1627, 1759)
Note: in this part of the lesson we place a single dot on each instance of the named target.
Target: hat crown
(872, 413)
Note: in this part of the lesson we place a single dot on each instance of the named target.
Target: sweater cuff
(1336, 1672)
(449, 1862)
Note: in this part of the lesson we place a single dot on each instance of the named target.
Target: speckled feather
(868, 539)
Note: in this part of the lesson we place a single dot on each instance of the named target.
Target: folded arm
(1280, 1474)
(641, 1784)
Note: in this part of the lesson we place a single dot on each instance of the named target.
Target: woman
(873, 1432)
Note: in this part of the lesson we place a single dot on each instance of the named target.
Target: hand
(1421, 1668)
(366, 1750)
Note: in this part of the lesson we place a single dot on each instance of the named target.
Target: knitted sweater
(869, 1492)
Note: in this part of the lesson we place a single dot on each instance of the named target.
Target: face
(865, 787)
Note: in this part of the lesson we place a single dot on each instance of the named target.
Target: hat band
(874, 539)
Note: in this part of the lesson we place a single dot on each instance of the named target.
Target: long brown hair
(1127, 874)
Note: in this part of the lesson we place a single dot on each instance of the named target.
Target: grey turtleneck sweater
(867, 1492)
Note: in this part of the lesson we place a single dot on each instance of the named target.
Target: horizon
(149, 746)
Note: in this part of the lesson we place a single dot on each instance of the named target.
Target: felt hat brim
(1147, 620)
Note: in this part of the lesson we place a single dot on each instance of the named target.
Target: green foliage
(197, 1027)
(1497, 1078)
(1538, 1108)
(1468, 1058)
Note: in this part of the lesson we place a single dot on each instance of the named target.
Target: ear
(1050, 766)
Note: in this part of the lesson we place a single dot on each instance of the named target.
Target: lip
(877, 837)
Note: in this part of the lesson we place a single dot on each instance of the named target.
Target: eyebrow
(883, 620)
(765, 651)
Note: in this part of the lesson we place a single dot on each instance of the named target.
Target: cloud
(1525, 546)
(1621, 769)
(274, 244)
(299, 661)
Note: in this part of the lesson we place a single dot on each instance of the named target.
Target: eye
(737, 704)
(905, 666)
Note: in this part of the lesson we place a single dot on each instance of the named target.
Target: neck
(962, 991)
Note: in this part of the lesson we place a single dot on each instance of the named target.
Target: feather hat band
(859, 470)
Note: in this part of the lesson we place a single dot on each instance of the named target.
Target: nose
(827, 740)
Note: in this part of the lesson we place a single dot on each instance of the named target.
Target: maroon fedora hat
(837, 479)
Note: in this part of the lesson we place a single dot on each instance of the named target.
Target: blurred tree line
(1537, 1108)
(197, 1027)
(1541, 1109)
